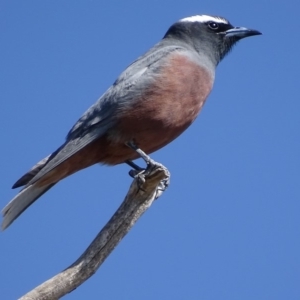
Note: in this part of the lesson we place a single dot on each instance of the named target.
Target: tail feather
(21, 201)
(32, 172)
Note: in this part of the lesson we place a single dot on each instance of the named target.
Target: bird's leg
(136, 169)
(151, 165)
(142, 154)
(133, 165)
(150, 162)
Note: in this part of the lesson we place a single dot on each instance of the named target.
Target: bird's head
(209, 35)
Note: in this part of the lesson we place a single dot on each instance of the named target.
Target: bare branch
(142, 192)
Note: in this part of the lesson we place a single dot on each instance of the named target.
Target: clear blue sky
(228, 227)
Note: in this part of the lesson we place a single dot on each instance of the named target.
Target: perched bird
(151, 103)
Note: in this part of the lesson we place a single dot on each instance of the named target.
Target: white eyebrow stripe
(203, 19)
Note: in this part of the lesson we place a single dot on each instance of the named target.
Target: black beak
(241, 32)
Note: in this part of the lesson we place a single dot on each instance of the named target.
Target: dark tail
(33, 186)
(26, 196)
(21, 201)
(32, 172)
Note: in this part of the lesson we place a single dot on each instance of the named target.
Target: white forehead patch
(204, 19)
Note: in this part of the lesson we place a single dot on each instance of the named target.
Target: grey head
(211, 36)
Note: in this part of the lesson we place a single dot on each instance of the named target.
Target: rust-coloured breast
(165, 110)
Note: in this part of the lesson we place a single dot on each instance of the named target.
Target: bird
(151, 103)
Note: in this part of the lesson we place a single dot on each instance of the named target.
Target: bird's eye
(213, 25)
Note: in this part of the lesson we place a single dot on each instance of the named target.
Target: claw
(142, 173)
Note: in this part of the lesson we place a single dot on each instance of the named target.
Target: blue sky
(228, 227)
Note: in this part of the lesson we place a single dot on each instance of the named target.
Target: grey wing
(131, 81)
(101, 116)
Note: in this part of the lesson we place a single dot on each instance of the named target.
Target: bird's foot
(142, 173)
(151, 164)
